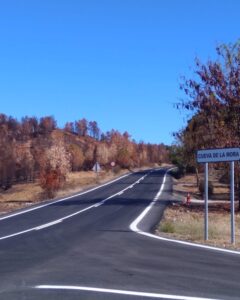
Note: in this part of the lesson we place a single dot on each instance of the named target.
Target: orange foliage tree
(54, 168)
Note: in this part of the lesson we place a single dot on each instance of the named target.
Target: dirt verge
(27, 194)
(23, 195)
(186, 222)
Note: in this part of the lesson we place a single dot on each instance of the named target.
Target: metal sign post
(96, 168)
(232, 203)
(206, 202)
(219, 155)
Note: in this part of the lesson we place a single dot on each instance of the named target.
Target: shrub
(202, 188)
(116, 169)
(190, 169)
(123, 158)
(55, 166)
(76, 157)
(178, 172)
(51, 181)
(167, 227)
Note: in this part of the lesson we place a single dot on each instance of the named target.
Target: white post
(232, 204)
(206, 202)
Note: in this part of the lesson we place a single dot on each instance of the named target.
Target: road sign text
(218, 155)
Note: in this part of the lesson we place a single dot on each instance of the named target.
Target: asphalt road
(85, 248)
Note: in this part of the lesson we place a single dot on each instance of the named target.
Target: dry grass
(188, 184)
(22, 195)
(79, 181)
(187, 222)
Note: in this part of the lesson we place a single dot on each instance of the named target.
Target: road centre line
(57, 221)
(48, 224)
(134, 226)
(44, 225)
(119, 292)
(61, 200)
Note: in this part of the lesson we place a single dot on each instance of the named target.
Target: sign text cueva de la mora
(218, 155)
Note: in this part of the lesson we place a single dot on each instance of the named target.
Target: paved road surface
(84, 248)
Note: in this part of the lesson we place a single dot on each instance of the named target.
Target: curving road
(93, 246)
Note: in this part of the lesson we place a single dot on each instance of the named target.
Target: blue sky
(118, 62)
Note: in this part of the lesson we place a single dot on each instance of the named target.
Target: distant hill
(29, 146)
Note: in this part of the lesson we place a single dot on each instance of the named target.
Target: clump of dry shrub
(55, 166)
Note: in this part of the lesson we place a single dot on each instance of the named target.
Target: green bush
(201, 188)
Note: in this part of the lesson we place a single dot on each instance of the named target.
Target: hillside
(33, 149)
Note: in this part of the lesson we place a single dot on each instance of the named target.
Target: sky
(118, 62)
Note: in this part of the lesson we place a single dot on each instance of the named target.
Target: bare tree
(81, 127)
(47, 124)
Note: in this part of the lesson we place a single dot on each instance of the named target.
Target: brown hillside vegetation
(22, 195)
(37, 150)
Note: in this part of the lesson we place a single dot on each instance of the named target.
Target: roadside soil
(188, 184)
(186, 222)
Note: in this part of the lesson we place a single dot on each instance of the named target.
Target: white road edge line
(134, 226)
(57, 221)
(119, 292)
(63, 199)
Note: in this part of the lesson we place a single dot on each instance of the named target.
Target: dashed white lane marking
(48, 224)
(134, 226)
(119, 292)
(63, 199)
(57, 221)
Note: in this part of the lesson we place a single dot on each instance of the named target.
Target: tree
(54, 168)
(94, 130)
(195, 136)
(142, 154)
(103, 137)
(213, 97)
(33, 148)
(89, 156)
(29, 127)
(7, 162)
(69, 127)
(215, 93)
(123, 158)
(47, 124)
(103, 154)
(81, 127)
(76, 157)
(24, 162)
